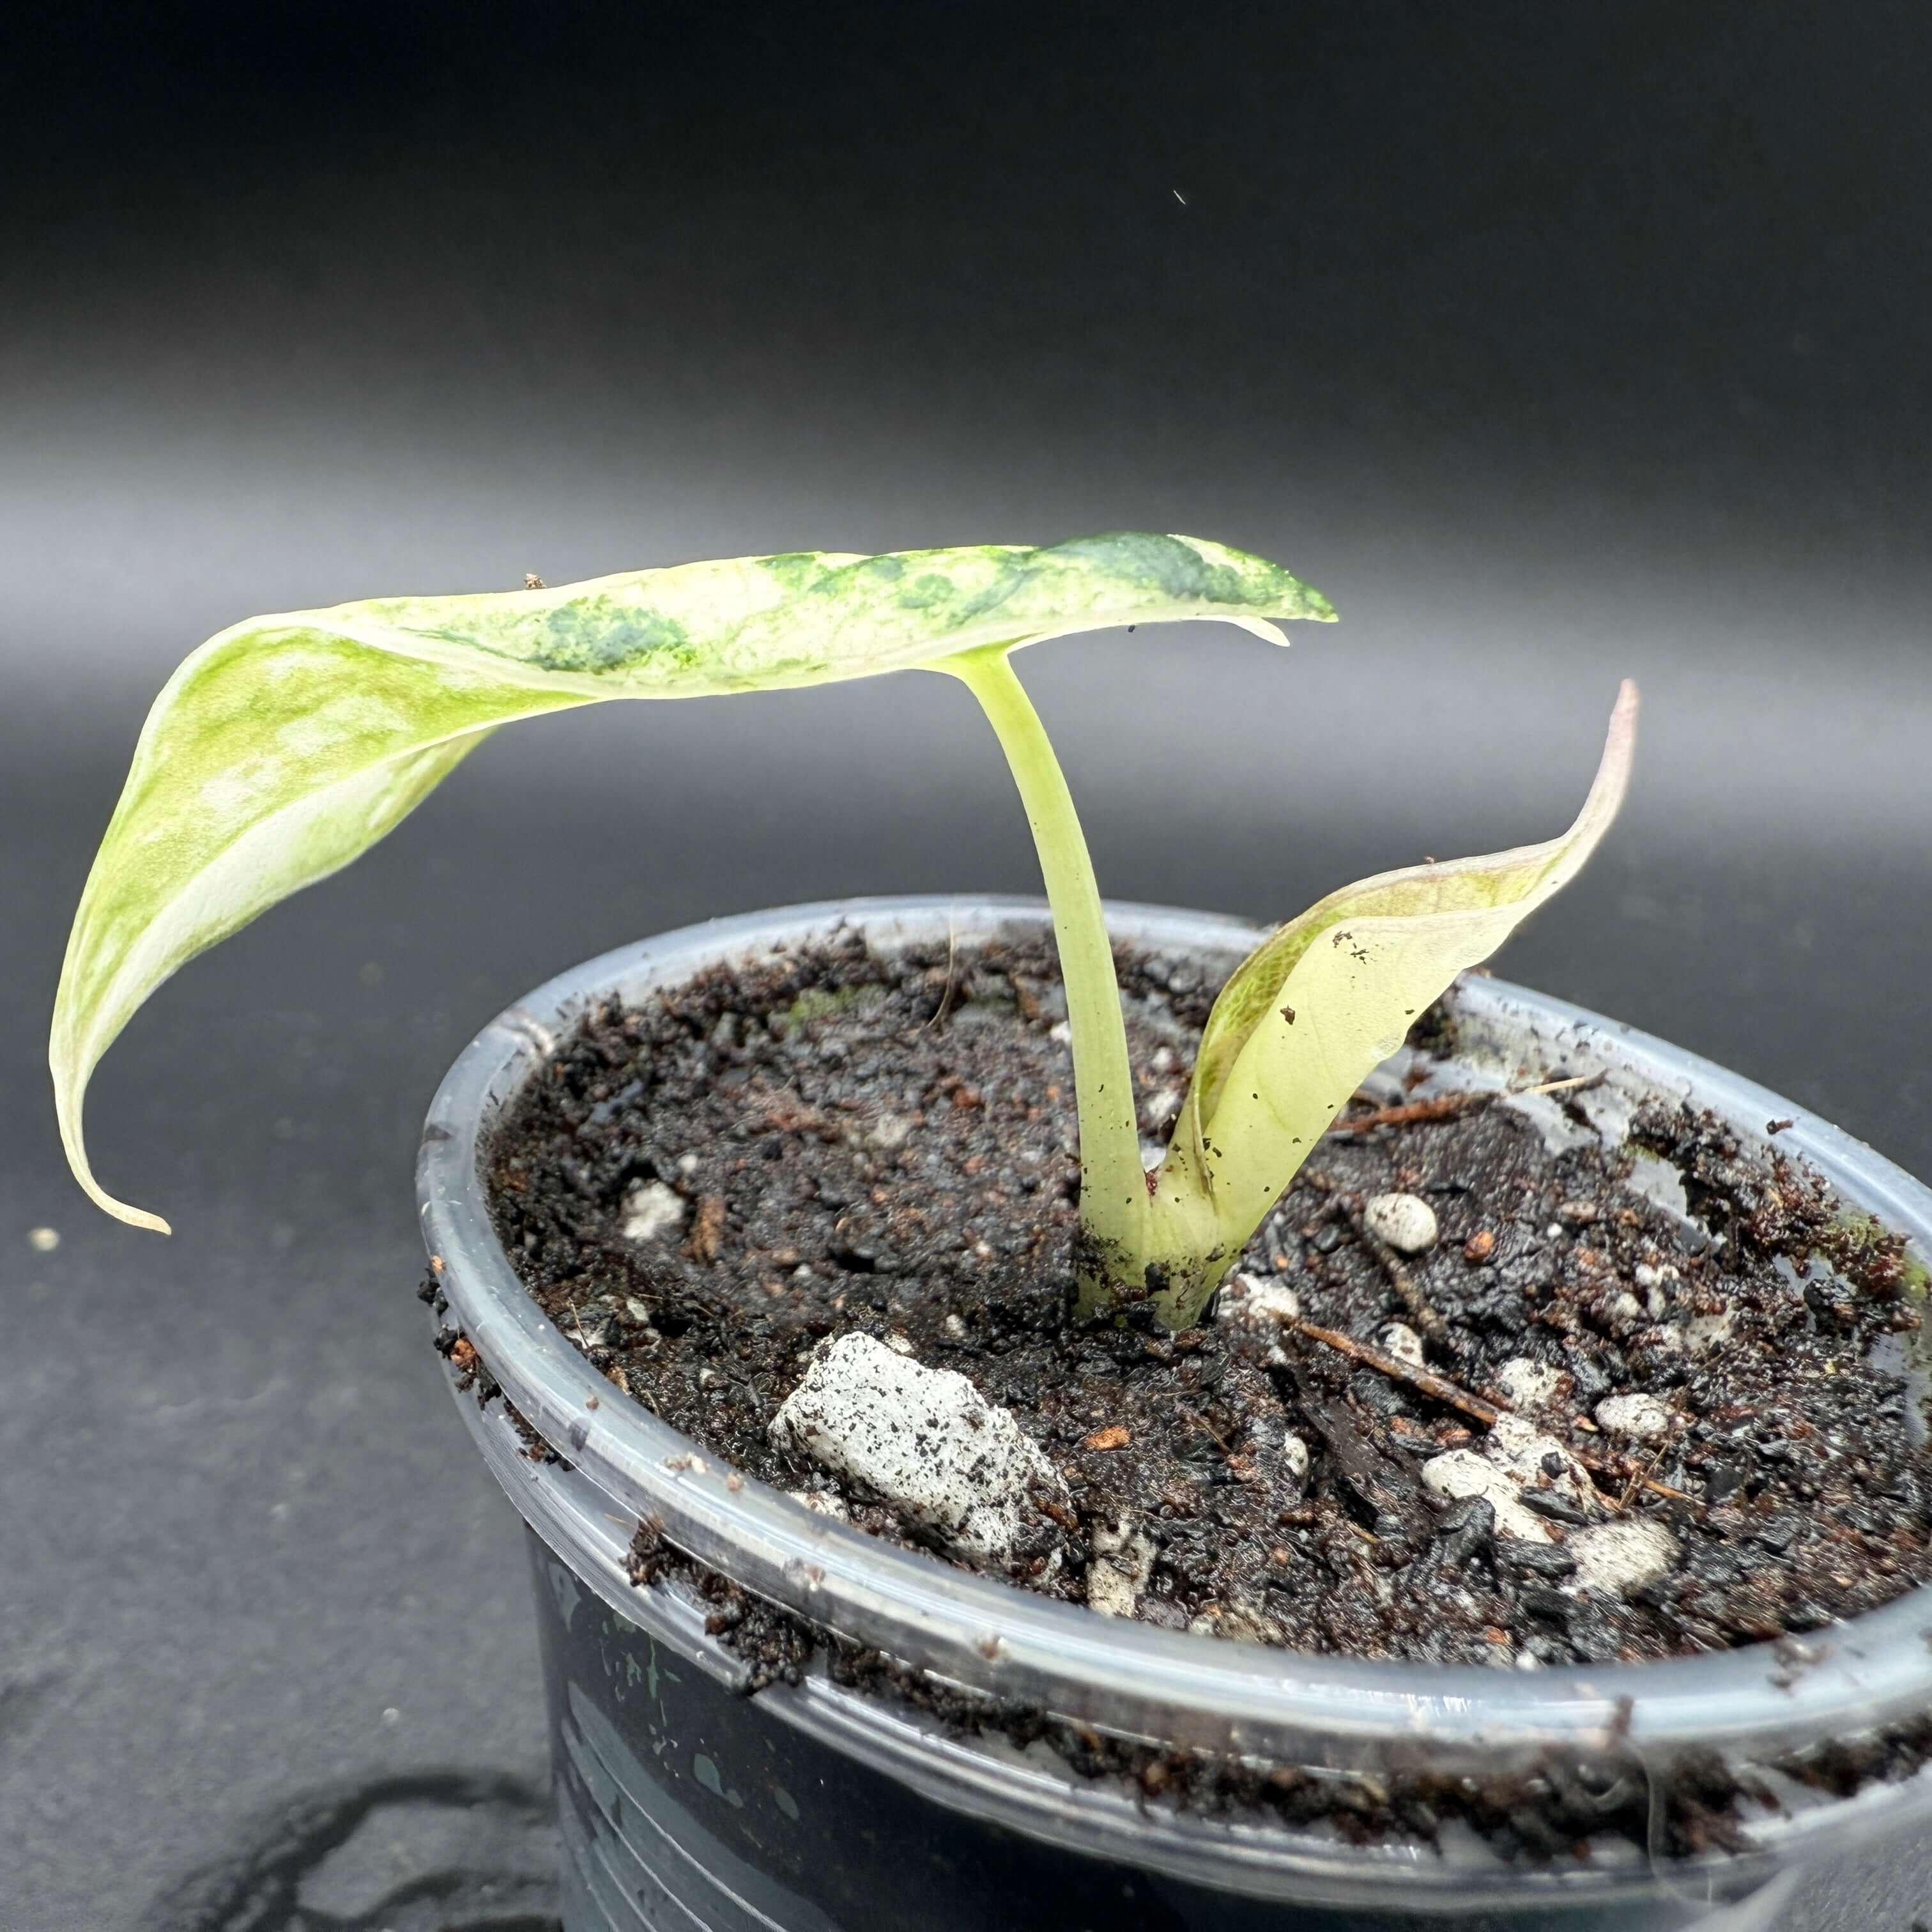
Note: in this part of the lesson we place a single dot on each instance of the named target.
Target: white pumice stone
(1405, 1222)
(1522, 1452)
(1528, 1383)
(924, 1439)
(1294, 1457)
(822, 1502)
(687, 1164)
(1258, 1298)
(1123, 1562)
(1401, 1341)
(1640, 1416)
(1459, 1473)
(1241, 1623)
(900, 1344)
(1617, 1558)
(1704, 1333)
(651, 1210)
(956, 1328)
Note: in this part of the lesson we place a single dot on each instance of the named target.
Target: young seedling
(286, 745)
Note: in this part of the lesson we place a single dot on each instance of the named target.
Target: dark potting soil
(833, 1141)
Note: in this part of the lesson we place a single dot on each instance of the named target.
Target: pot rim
(1334, 1712)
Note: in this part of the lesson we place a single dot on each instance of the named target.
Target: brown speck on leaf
(532, 581)
(1778, 1126)
(464, 1355)
(1115, 1436)
(436, 1263)
(1480, 1246)
(1288, 1014)
(707, 1236)
(591, 1402)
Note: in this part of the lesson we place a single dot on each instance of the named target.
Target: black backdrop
(1554, 343)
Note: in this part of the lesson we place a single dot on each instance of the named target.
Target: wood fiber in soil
(887, 1144)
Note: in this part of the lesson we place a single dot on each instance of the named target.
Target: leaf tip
(122, 1211)
(66, 1106)
(1619, 743)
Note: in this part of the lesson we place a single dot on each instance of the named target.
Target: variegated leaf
(1310, 1012)
(286, 745)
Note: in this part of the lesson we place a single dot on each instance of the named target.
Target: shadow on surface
(424, 1851)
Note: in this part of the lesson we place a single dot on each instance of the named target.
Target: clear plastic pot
(685, 1803)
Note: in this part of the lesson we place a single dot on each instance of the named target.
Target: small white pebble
(1623, 1308)
(1405, 1222)
(1123, 1562)
(1617, 1558)
(1459, 1473)
(900, 1344)
(1529, 1384)
(1521, 1451)
(652, 1210)
(687, 1163)
(1295, 1454)
(1164, 1059)
(1704, 1333)
(888, 1132)
(1527, 1661)
(43, 1240)
(1649, 1276)
(1641, 1417)
(822, 1502)
(1160, 1109)
(1231, 1621)
(1060, 1031)
(1253, 1298)
(391, 1715)
(1553, 1231)
(955, 1328)
(639, 1311)
(1402, 1342)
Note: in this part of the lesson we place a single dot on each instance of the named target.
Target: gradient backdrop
(1554, 343)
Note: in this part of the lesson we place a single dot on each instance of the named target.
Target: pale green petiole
(1114, 1199)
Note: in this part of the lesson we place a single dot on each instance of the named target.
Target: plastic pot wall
(685, 1803)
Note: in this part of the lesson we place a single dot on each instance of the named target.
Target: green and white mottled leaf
(287, 746)
(1353, 971)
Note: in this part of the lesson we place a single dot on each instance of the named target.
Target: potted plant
(1072, 1416)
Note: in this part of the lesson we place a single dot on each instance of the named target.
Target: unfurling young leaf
(1314, 1009)
(286, 745)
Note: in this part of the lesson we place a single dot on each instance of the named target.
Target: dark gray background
(1555, 343)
